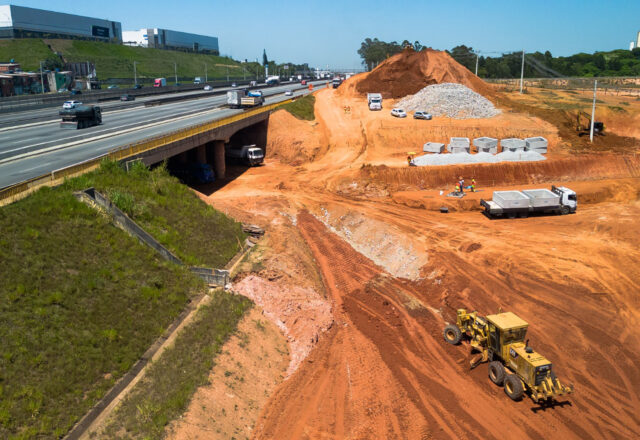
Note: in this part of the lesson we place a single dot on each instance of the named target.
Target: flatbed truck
(512, 204)
(242, 99)
(248, 154)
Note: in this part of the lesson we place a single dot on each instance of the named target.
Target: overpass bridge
(199, 130)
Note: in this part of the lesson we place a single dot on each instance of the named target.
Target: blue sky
(330, 32)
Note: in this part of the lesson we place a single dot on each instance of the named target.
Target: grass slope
(116, 61)
(27, 52)
(165, 392)
(302, 108)
(80, 300)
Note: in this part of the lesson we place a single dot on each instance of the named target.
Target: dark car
(76, 92)
(127, 97)
(137, 86)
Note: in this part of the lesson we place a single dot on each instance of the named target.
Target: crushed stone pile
(451, 100)
(462, 158)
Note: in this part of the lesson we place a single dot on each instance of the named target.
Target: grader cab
(500, 339)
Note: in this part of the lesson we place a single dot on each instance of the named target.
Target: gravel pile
(458, 158)
(451, 100)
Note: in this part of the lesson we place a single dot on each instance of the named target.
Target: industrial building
(167, 39)
(21, 22)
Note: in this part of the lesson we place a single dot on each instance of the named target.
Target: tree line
(619, 62)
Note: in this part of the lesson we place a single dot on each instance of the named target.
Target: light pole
(227, 73)
(522, 72)
(593, 110)
(175, 71)
(206, 79)
(135, 74)
(477, 56)
(41, 78)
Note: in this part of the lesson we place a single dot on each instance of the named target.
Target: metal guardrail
(16, 191)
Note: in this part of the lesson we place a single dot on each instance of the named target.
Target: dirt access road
(394, 276)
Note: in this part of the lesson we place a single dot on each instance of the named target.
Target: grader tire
(497, 372)
(452, 334)
(513, 387)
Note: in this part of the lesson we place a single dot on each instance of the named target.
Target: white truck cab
(568, 197)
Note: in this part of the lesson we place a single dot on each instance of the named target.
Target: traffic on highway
(31, 149)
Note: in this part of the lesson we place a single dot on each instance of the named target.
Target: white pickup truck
(560, 200)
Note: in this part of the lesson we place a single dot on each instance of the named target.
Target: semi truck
(248, 154)
(81, 116)
(160, 82)
(335, 83)
(375, 101)
(512, 204)
(244, 99)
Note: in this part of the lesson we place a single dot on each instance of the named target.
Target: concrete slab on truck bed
(510, 199)
(542, 197)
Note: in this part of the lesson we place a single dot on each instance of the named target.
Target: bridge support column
(201, 153)
(218, 159)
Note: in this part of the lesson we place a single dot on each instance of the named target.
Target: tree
(375, 51)
(465, 56)
(599, 61)
(417, 46)
(265, 60)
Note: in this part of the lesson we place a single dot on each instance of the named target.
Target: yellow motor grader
(513, 364)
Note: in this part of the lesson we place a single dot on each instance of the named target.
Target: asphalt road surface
(33, 149)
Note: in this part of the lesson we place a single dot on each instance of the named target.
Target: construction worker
(409, 159)
(457, 191)
(461, 184)
(473, 185)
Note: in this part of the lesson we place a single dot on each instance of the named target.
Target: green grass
(116, 61)
(169, 211)
(169, 383)
(27, 52)
(302, 108)
(80, 300)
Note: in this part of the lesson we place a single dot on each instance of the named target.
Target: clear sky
(330, 32)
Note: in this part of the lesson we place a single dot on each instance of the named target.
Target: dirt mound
(409, 71)
(293, 141)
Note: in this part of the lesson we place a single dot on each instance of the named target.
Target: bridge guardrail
(16, 191)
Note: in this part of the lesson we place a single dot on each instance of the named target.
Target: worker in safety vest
(409, 159)
(473, 185)
(457, 188)
(461, 184)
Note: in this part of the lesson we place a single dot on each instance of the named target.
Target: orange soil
(383, 370)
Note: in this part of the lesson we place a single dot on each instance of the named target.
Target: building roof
(507, 320)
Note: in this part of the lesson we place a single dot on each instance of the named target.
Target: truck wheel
(496, 372)
(565, 210)
(513, 387)
(452, 334)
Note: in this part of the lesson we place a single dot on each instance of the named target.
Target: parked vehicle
(208, 88)
(127, 97)
(560, 200)
(248, 154)
(422, 115)
(375, 101)
(241, 99)
(71, 104)
(398, 113)
(81, 116)
(160, 82)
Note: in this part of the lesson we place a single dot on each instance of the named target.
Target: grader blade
(478, 359)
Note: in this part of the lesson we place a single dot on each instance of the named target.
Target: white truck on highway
(560, 200)
(248, 154)
(244, 99)
(375, 101)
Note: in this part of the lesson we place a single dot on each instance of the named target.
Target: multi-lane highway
(32, 149)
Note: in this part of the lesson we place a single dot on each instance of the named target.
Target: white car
(208, 88)
(71, 104)
(288, 93)
(422, 115)
(398, 113)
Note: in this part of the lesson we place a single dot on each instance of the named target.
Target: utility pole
(206, 79)
(135, 74)
(41, 78)
(522, 72)
(227, 73)
(593, 110)
(477, 56)
(175, 71)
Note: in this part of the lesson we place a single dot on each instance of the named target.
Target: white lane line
(97, 138)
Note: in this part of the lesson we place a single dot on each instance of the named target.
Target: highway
(33, 149)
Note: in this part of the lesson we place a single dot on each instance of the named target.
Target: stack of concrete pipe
(513, 144)
(433, 147)
(486, 145)
(537, 144)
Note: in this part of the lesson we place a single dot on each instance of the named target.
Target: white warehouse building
(166, 39)
(21, 22)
